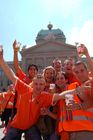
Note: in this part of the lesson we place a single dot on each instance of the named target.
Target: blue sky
(23, 19)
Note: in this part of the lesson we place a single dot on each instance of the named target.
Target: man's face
(32, 72)
(11, 88)
(58, 66)
(81, 73)
(68, 66)
(38, 85)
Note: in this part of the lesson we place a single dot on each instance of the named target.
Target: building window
(1, 72)
(8, 82)
(1, 83)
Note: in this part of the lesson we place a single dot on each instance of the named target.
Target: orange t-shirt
(72, 78)
(1, 101)
(6, 99)
(28, 110)
(22, 76)
(9, 97)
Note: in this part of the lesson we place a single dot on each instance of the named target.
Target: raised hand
(8, 71)
(1, 53)
(16, 46)
(84, 92)
(85, 50)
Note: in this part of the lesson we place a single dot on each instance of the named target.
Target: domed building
(50, 44)
(50, 34)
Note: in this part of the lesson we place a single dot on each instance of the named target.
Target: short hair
(56, 60)
(79, 63)
(32, 65)
(69, 59)
(38, 76)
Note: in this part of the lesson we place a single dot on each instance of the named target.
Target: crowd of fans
(54, 105)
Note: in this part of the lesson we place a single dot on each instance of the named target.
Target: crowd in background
(54, 105)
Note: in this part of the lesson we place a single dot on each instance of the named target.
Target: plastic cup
(80, 51)
(52, 88)
(68, 99)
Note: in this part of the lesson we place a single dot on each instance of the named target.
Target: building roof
(49, 43)
(50, 34)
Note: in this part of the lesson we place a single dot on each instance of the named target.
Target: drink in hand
(68, 101)
(80, 51)
(52, 88)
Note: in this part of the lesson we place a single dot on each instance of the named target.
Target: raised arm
(16, 61)
(8, 71)
(86, 53)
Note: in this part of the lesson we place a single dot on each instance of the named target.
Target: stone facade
(50, 44)
(42, 55)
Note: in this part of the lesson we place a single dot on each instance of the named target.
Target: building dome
(50, 34)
